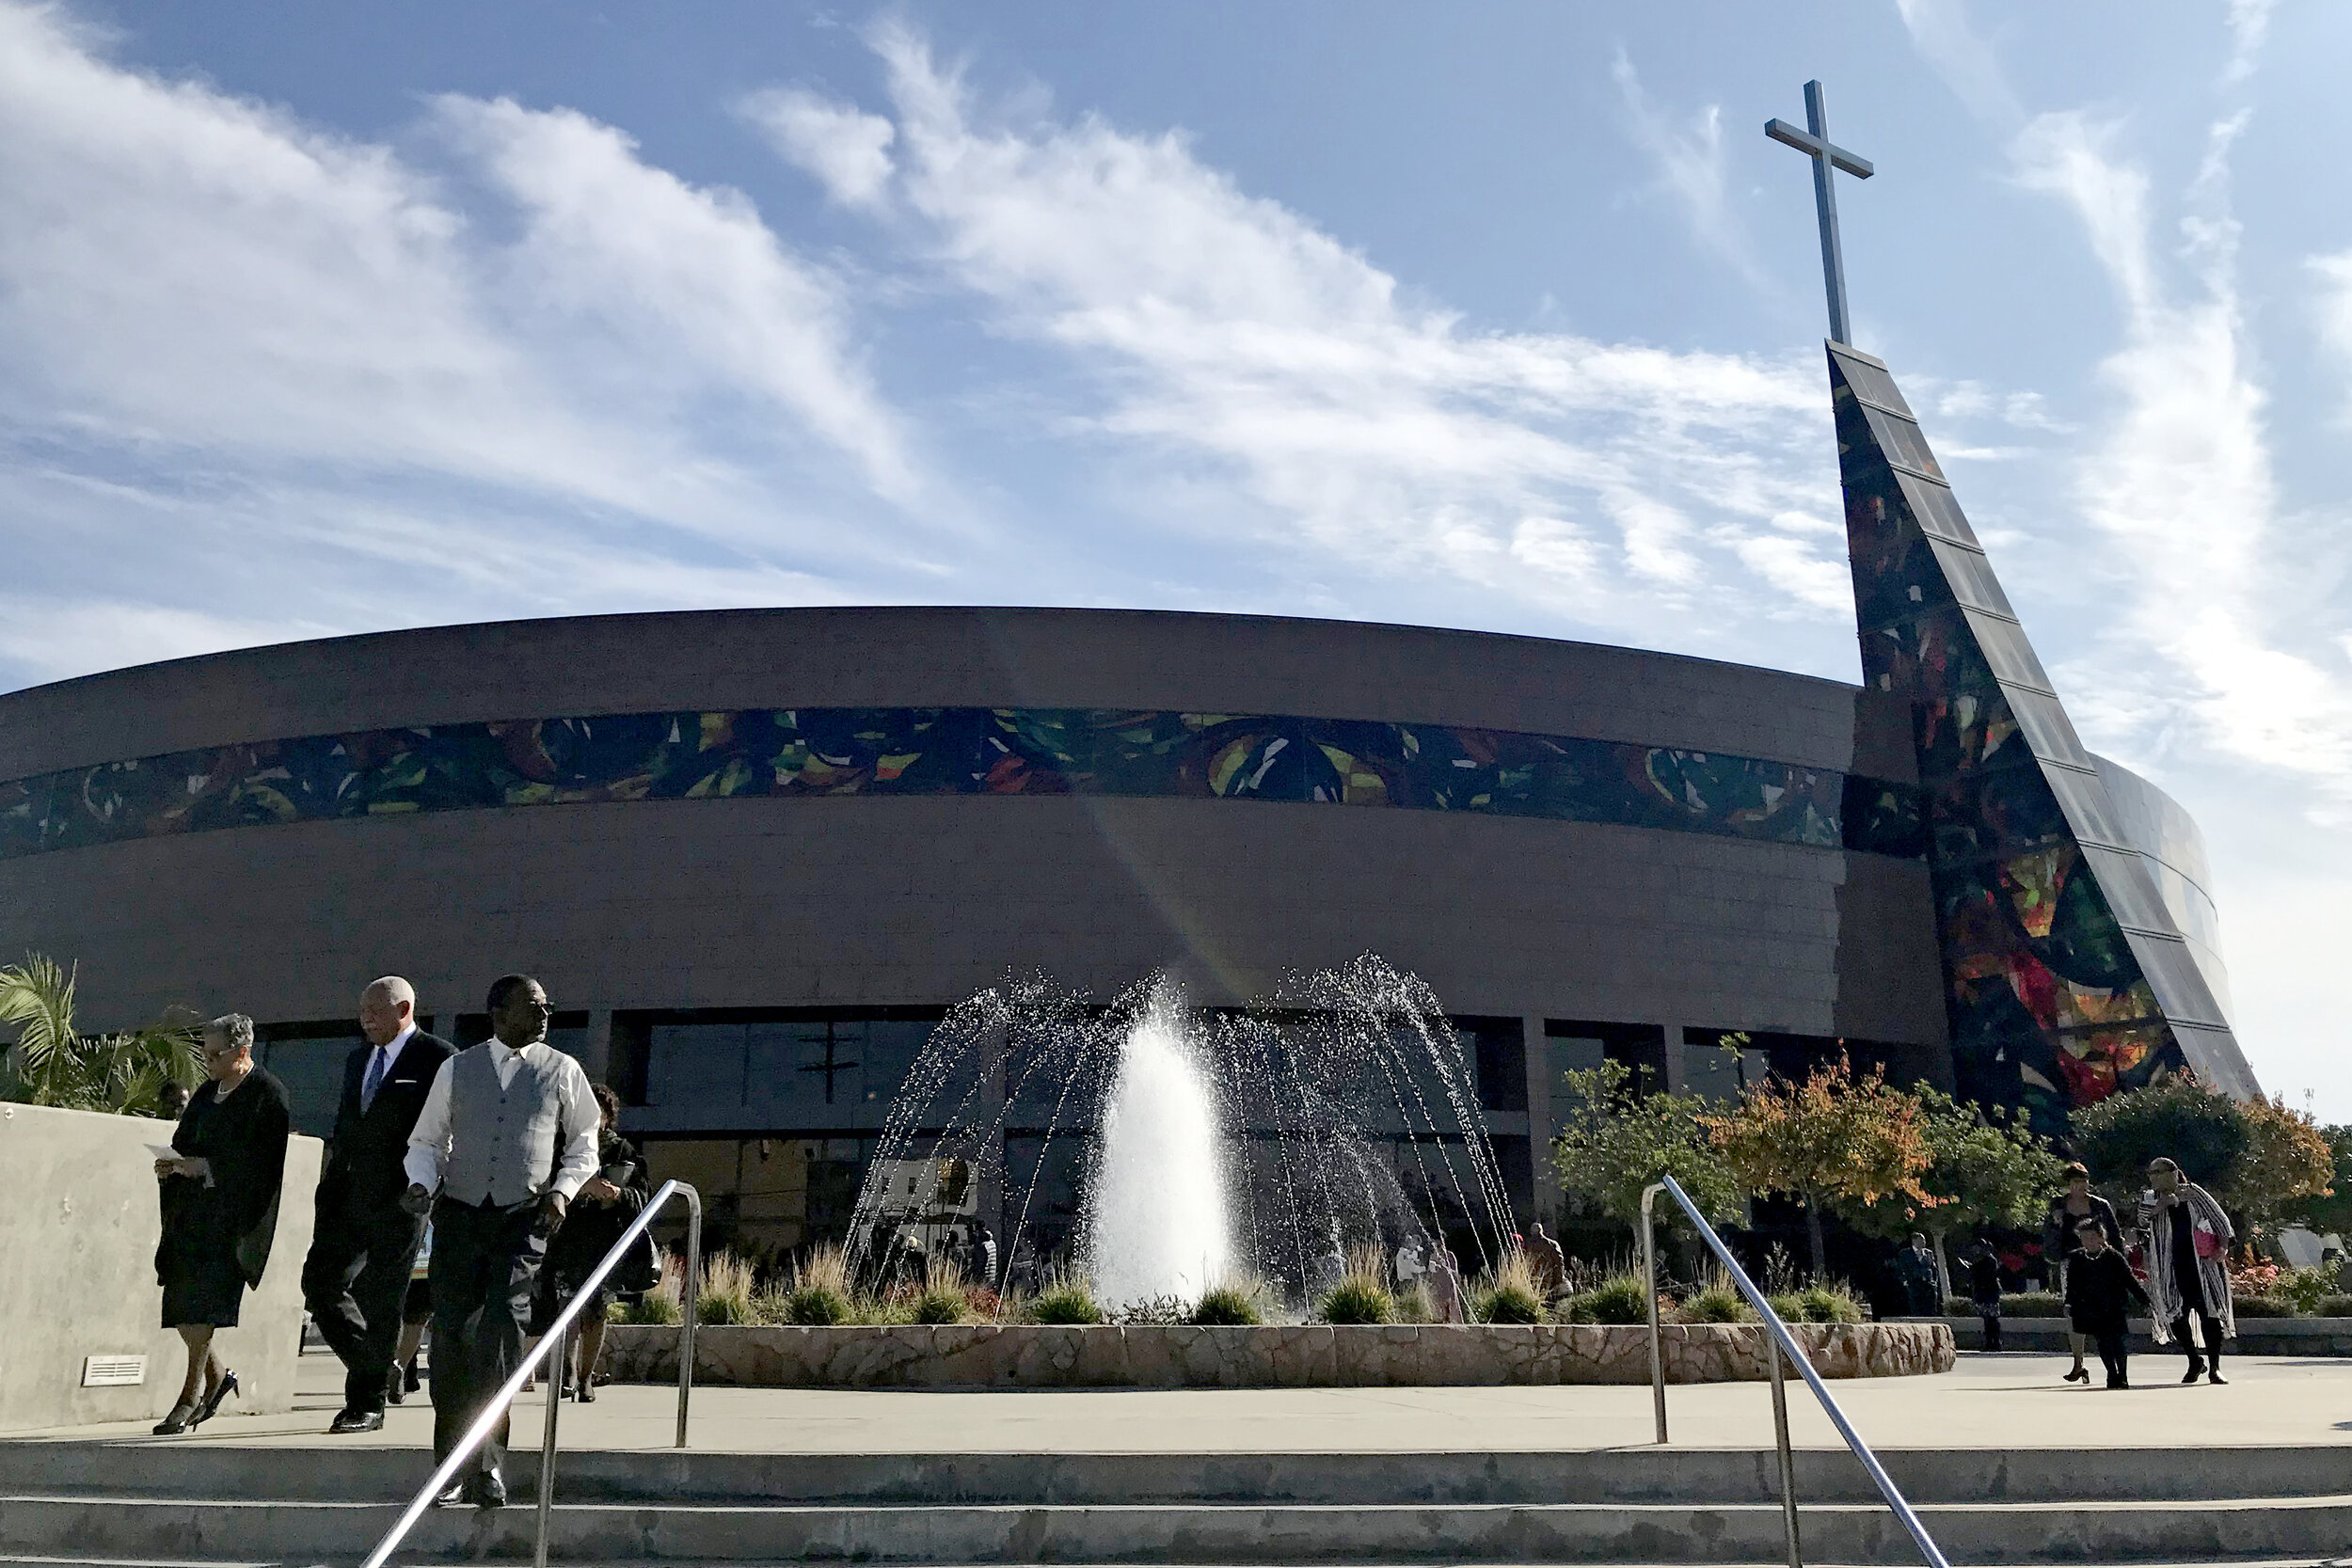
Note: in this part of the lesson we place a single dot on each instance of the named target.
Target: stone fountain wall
(1304, 1356)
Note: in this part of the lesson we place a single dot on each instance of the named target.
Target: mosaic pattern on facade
(936, 751)
(2048, 1004)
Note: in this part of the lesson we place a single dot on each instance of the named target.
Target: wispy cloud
(1949, 42)
(1691, 165)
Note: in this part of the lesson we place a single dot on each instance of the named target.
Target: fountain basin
(1295, 1355)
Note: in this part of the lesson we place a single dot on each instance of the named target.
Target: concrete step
(347, 1473)
(127, 1528)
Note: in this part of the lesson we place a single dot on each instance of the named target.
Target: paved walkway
(1991, 1402)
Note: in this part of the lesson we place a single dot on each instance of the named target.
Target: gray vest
(504, 1142)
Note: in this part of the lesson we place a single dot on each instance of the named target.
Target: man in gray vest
(508, 1134)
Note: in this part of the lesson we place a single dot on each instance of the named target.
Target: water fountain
(1341, 1112)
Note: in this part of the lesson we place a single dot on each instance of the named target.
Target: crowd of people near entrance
(2170, 1264)
(468, 1192)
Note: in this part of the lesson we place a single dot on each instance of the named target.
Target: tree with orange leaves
(1833, 1137)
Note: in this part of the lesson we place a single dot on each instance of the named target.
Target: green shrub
(1959, 1307)
(1509, 1303)
(658, 1307)
(1787, 1305)
(1067, 1300)
(938, 1304)
(727, 1291)
(2034, 1304)
(1718, 1304)
(1417, 1304)
(1230, 1304)
(2262, 1306)
(2305, 1289)
(1622, 1298)
(2334, 1306)
(815, 1306)
(1829, 1304)
(1357, 1299)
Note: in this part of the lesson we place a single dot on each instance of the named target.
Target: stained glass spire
(2065, 976)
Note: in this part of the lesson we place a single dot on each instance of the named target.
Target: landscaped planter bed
(1306, 1355)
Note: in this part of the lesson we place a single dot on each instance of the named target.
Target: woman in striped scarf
(2186, 1238)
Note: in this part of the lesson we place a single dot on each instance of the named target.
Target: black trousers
(354, 1283)
(2115, 1353)
(2211, 1356)
(485, 1268)
(1992, 1322)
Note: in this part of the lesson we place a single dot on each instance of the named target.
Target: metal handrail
(1778, 1342)
(553, 1343)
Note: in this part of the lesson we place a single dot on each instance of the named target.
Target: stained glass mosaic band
(957, 751)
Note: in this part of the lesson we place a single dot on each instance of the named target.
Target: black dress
(587, 1233)
(217, 1236)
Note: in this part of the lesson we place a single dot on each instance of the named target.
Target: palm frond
(37, 997)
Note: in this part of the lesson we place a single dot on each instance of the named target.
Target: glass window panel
(1937, 509)
(2179, 985)
(1903, 442)
(311, 1068)
(2006, 649)
(697, 1064)
(1870, 382)
(2047, 729)
(1720, 1072)
(2131, 894)
(1971, 576)
(2086, 804)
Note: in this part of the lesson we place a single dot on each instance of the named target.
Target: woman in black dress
(220, 1208)
(607, 1202)
(2062, 1238)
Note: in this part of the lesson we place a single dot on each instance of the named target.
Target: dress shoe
(2080, 1374)
(356, 1420)
(587, 1393)
(221, 1390)
(455, 1496)
(181, 1418)
(489, 1490)
(2214, 1376)
(2196, 1370)
(409, 1380)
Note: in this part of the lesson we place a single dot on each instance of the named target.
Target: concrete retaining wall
(77, 1273)
(987, 1355)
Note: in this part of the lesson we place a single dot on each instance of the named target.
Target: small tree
(50, 1063)
(1982, 1170)
(2331, 1211)
(1833, 1139)
(2287, 1162)
(2205, 1132)
(1615, 1141)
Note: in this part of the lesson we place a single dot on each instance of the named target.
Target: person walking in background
(508, 1134)
(2062, 1238)
(1445, 1284)
(983, 1256)
(416, 1313)
(220, 1188)
(1550, 1262)
(2100, 1290)
(1922, 1285)
(609, 1202)
(2186, 1237)
(1984, 1291)
(364, 1243)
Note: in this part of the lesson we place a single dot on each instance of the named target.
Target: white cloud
(1941, 31)
(1223, 328)
(1690, 165)
(845, 148)
(2249, 29)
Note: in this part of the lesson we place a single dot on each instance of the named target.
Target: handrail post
(1787, 1456)
(691, 1301)
(554, 1343)
(1649, 1273)
(554, 1387)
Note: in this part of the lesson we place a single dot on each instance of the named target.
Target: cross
(831, 1066)
(1815, 144)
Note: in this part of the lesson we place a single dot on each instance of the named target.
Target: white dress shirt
(575, 1162)
(381, 1060)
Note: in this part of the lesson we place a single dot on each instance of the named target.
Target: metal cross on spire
(1814, 143)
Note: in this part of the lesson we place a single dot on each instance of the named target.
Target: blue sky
(319, 317)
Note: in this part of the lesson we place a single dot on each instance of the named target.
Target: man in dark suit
(365, 1243)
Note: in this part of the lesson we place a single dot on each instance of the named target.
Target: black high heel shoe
(221, 1390)
(181, 1418)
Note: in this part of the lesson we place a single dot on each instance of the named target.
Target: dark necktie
(376, 1062)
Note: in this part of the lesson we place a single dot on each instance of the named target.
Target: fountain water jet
(1156, 1219)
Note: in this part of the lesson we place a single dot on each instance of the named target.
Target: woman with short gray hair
(220, 1208)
